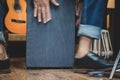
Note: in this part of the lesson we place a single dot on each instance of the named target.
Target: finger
(43, 14)
(35, 9)
(54, 2)
(39, 14)
(48, 13)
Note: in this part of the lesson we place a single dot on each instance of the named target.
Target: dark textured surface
(51, 44)
(19, 72)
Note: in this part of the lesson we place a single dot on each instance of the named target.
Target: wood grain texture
(16, 37)
(19, 72)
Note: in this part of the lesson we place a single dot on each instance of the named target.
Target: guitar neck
(16, 1)
(17, 6)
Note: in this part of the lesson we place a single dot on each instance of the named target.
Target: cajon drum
(51, 45)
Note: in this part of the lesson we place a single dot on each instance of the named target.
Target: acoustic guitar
(15, 20)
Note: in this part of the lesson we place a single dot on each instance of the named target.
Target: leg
(3, 54)
(84, 46)
(92, 21)
(4, 60)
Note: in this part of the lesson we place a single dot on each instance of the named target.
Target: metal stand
(114, 67)
(103, 46)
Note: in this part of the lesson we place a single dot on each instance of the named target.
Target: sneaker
(92, 62)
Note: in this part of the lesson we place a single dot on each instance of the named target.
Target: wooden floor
(19, 72)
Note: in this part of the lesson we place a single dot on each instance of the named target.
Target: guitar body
(15, 20)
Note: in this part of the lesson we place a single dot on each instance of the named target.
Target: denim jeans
(92, 18)
(2, 38)
(1, 23)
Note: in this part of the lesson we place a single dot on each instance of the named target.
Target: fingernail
(39, 20)
(45, 22)
(48, 19)
(35, 15)
(57, 4)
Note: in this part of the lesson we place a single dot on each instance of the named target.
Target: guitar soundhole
(17, 21)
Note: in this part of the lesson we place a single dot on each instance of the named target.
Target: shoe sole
(84, 71)
(5, 71)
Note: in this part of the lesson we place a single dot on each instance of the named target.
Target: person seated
(92, 21)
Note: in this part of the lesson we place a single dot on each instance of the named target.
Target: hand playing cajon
(42, 9)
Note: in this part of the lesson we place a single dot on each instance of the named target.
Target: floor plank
(19, 72)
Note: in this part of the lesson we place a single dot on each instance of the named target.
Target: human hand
(42, 9)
